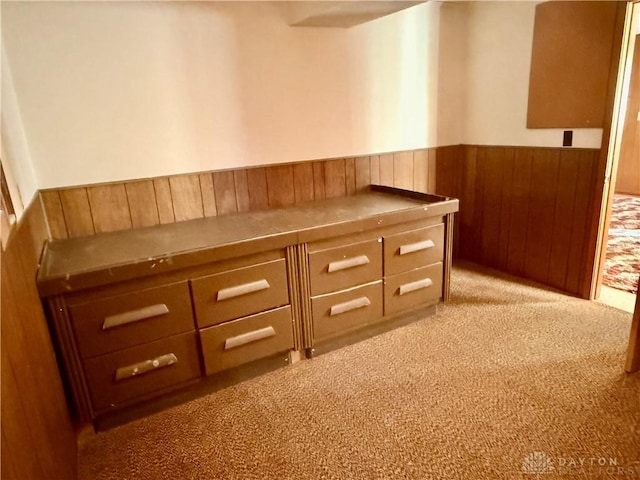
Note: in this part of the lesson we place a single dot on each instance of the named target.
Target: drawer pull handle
(134, 316)
(146, 366)
(416, 247)
(244, 289)
(350, 305)
(348, 263)
(417, 285)
(249, 337)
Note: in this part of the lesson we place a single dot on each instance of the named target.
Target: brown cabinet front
(140, 313)
(135, 372)
(416, 248)
(422, 286)
(237, 293)
(122, 321)
(336, 313)
(346, 266)
(247, 339)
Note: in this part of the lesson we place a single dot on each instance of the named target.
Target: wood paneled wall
(628, 176)
(38, 439)
(524, 210)
(86, 210)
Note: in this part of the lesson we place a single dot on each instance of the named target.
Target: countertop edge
(172, 261)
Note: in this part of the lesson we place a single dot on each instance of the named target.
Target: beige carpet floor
(505, 370)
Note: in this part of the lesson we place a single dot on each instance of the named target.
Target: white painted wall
(453, 79)
(499, 41)
(120, 90)
(393, 63)
(14, 149)
(110, 91)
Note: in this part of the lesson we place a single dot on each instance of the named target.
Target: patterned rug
(623, 246)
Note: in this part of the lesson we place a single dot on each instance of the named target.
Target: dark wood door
(628, 176)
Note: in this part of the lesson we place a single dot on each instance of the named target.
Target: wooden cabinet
(345, 266)
(116, 378)
(345, 276)
(128, 346)
(117, 322)
(421, 286)
(243, 314)
(205, 297)
(247, 339)
(339, 312)
(414, 270)
(413, 248)
(236, 293)
(134, 344)
(359, 280)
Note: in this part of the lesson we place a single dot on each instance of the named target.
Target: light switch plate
(567, 138)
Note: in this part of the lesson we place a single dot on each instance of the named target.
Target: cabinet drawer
(237, 293)
(416, 248)
(347, 266)
(422, 286)
(113, 378)
(339, 312)
(247, 339)
(123, 321)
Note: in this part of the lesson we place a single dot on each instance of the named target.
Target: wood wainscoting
(38, 439)
(85, 210)
(524, 210)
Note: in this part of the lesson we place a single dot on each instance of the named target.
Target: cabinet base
(247, 371)
(203, 387)
(386, 325)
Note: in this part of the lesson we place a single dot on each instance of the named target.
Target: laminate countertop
(85, 262)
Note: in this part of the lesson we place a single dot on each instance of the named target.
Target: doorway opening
(620, 259)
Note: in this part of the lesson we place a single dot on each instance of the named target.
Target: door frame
(632, 364)
(620, 76)
(612, 139)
